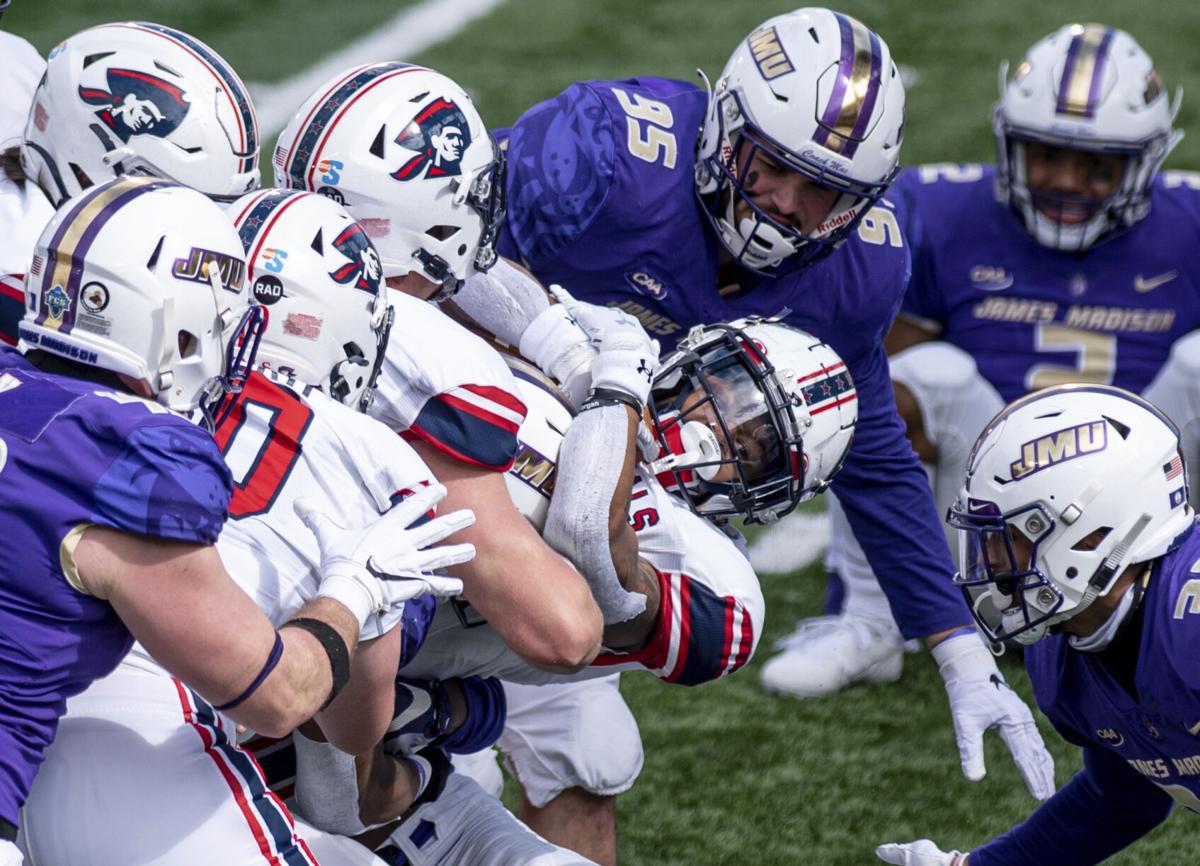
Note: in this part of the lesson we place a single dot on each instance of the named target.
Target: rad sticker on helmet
(440, 135)
(137, 103)
(267, 289)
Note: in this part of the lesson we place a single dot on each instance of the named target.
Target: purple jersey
(74, 454)
(601, 199)
(1033, 317)
(1157, 733)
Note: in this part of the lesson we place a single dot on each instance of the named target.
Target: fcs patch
(1059, 447)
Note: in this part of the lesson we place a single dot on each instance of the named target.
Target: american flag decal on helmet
(1173, 469)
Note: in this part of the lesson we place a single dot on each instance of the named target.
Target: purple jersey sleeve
(1104, 808)
(69, 457)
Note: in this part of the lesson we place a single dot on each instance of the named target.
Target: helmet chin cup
(700, 450)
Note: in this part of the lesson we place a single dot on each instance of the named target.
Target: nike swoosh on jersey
(1194, 729)
(1148, 284)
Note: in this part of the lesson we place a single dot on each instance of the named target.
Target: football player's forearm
(303, 680)
(632, 635)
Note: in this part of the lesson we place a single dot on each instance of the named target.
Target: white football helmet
(140, 99)
(1091, 88)
(1092, 477)
(314, 269)
(817, 92)
(531, 479)
(783, 398)
(145, 278)
(404, 150)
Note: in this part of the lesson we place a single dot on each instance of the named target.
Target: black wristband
(335, 648)
(611, 397)
(8, 830)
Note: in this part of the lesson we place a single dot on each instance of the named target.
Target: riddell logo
(837, 222)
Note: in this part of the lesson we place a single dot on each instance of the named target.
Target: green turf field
(733, 776)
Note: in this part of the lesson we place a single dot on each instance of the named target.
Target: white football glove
(374, 568)
(981, 699)
(562, 350)
(920, 853)
(627, 358)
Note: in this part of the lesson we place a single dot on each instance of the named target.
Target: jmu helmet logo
(363, 270)
(1059, 447)
(440, 135)
(137, 103)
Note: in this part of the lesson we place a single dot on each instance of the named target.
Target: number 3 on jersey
(260, 439)
(654, 140)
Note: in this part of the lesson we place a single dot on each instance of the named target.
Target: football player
(1070, 260)
(1086, 555)
(750, 418)
(111, 502)
(365, 138)
(300, 451)
(778, 207)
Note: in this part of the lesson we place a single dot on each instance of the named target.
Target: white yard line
(796, 541)
(405, 36)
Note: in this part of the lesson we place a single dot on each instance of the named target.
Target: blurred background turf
(734, 776)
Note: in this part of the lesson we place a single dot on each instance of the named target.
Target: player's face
(1076, 174)
(786, 195)
(755, 442)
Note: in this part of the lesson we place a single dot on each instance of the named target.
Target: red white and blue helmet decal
(440, 134)
(324, 116)
(231, 85)
(363, 269)
(137, 103)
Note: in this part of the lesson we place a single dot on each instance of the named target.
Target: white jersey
(710, 620)
(281, 448)
(24, 211)
(447, 386)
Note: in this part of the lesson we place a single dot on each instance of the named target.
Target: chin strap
(1117, 621)
(697, 447)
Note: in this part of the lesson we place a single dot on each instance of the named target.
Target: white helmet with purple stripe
(1091, 88)
(816, 92)
(144, 278)
(403, 149)
(137, 98)
(1065, 489)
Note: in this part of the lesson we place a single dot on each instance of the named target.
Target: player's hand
(370, 569)
(627, 359)
(562, 349)
(920, 853)
(981, 699)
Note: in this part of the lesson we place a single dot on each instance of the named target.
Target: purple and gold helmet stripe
(1079, 89)
(234, 90)
(322, 117)
(855, 89)
(76, 233)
